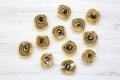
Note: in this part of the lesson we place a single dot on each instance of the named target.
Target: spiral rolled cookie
(68, 66)
(25, 48)
(64, 12)
(78, 24)
(42, 41)
(90, 37)
(93, 16)
(47, 60)
(69, 47)
(59, 32)
(41, 22)
(88, 56)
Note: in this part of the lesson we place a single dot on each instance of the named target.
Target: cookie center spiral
(93, 15)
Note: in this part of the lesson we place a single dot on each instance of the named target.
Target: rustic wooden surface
(16, 25)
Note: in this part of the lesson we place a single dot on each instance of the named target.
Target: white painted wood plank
(16, 25)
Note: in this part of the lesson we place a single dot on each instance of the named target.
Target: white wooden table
(16, 25)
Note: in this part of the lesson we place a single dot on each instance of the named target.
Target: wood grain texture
(16, 25)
